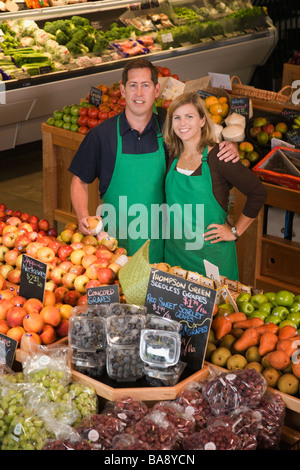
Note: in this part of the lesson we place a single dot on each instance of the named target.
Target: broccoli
(50, 27)
(61, 37)
(89, 42)
(79, 21)
(101, 43)
(76, 48)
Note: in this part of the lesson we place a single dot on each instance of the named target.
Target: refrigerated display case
(27, 102)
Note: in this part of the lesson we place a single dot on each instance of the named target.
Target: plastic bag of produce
(179, 416)
(27, 41)
(49, 367)
(229, 391)
(217, 437)
(84, 398)
(128, 442)
(128, 410)
(272, 410)
(99, 429)
(156, 430)
(245, 422)
(192, 400)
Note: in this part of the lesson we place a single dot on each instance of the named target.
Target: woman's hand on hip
(218, 233)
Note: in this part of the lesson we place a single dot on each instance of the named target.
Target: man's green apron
(137, 185)
(186, 193)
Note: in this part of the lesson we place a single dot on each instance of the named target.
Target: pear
(236, 361)
(265, 363)
(255, 365)
(272, 376)
(252, 354)
(219, 356)
(212, 337)
(209, 350)
(227, 341)
(288, 383)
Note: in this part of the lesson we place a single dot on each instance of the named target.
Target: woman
(197, 191)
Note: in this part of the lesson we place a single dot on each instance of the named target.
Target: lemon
(216, 118)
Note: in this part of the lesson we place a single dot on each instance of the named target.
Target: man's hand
(228, 151)
(83, 226)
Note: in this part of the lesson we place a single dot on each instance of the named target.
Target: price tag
(240, 105)
(220, 80)
(45, 69)
(2, 93)
(211, 270)
(33, 278)
(8, 348)
(293, 137)
(167, 37)
(188, 303)
(103, 295)
(95, 97)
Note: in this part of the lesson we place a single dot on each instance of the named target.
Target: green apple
(246, 307)
(297, 298)
(67, 109)
(244, 296)
(280, 311)
(51, 121)
(271, 297)
(287, 322)
(58, 115)
(295, 307)
(295, 318)
(284, 297)
(265, 307)
(258, 299)
(258, 313)
(273, 319)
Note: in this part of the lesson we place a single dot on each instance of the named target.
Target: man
(127, 154)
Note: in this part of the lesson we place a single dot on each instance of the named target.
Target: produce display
(262, 335)
(35, 50)
(263, 129)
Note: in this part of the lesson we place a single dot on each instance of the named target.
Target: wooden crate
(59, 148)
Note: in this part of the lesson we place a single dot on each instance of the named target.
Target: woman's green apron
(195, 207)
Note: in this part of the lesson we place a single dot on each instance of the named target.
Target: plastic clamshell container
(124, 364)
(87, 333)
(155, 322)
(125, 309)
(124, 329)
(160, 348)
(101, 311)
(157, 377)
(91, 363)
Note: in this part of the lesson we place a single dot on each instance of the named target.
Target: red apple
(48, 335)
(90, 240)
(89, 249)
(64, 252)
(2, 225)
(13, 221)
(77, 269)
(82, 300)
(66, 310)
(51, 315)
(120, 251)
(50, 286)
(25, 227)
(24, 217)
(71, 297)
(43, 224)
(32, 249)
(18, 300)
(106, 275)
(5, 269)
(62, 329)
(33, 219)
(57, 274)
(33, 322)
(3, 250)
(11, 256)
(77, 237)
(60, 292)
(22, 241)
(87, 260)
(54, 245)
(66, 265)
(110, 243)
(52, 232)
(9, 238)
(93, 283)
(15, 316)
(66, 235)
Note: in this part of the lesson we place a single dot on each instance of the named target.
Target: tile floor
(21, 183)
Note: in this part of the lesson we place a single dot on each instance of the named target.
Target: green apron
(137, 184)
(194, 191)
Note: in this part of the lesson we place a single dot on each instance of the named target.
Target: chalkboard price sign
(188, 303)
(33, 278)
(95, 97)
(8, 348)
(240, 105)
(103, 295)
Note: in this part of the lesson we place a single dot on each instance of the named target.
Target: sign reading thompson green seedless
(188, 303)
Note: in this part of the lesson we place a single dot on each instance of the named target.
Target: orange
(210, 100)
(215, 109)
(222, 99)
(216, 118)
(225, 109)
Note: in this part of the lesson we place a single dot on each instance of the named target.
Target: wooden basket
(257, 93)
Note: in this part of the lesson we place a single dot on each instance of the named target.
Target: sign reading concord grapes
(188, 303)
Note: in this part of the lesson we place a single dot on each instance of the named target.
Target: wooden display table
(59, 148)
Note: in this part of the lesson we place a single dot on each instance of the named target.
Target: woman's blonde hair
(172, 141)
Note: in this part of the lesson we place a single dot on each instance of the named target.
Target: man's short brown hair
(140, 63)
